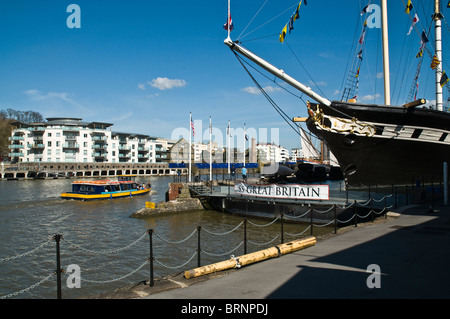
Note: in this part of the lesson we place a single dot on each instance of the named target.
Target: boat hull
(380, 145)
(106, 195)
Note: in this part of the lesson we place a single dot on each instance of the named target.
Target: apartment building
(73, 140)
(269, 152)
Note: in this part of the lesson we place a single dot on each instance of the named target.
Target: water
(109, 246)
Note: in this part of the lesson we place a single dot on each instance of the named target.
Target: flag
(359, 56)
(409, 7)
(364, 10)
(415, 20)
(283, 34)
(229, 23)
(417, 90)
(297, 14)
(448, 4)
(444, 79)
(361, 39)
(435, 62)
(419, 54)
(192, 126)
(291, 24)
(357, 73)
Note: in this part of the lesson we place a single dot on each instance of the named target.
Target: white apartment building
(72, 140)
(268, 152)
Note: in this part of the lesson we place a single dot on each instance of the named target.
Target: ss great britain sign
(285, 191)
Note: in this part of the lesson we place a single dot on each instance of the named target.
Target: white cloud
(141, 86)
(255, 90)
(370, 97)
(167, 84)
(38, 95)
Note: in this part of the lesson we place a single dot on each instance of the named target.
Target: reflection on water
(107, 244)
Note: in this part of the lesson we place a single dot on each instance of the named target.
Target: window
(49, 143)
(49, 134)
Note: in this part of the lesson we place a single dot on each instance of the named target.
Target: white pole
(244, 144)
(445, 184)
(190, 138)
(437, 21)
(228, 19)
(275, 71)
(228, 147)
(387, 85)
(210, 150)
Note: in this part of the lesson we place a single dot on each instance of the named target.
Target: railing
(199, 252)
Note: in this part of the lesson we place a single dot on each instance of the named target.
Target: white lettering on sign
(289, 191)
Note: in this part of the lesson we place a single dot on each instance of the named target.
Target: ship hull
(380, 145)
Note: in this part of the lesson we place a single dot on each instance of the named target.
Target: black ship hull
(381, 145)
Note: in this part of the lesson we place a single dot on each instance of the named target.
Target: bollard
(58, 267)
(282, 229)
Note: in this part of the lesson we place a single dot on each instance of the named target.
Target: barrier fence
(200, 251)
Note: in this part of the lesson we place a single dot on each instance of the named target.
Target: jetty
(402, 256)
(55, 170)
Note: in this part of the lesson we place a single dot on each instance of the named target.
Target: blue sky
(144, 65)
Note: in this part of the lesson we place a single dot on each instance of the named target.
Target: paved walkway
(411, 251)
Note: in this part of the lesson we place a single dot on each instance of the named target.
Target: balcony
(71, 146)
(15, 146)
(36, 146)
(16, 154)
(16, 138)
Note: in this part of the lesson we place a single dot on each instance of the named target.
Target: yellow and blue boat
(125, 186)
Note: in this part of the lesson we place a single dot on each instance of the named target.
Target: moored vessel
(124, 186)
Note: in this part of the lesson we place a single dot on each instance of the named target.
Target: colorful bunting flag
(283, 34)
(364, 10)
(420, 53)
(435, 62)
(295, 16)
(409, 7)
(444, 79)
(415, 20)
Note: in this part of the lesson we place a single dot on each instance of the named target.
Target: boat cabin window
(116, 187)
(108, 188)
(125, 186)
(84, 189)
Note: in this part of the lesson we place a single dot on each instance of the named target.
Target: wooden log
(251, 258)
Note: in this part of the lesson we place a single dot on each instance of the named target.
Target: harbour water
(110, 248)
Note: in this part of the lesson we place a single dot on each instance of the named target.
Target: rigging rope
(285, 117)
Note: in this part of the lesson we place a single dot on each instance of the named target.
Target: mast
(437, 20)
(277, 72)
(385, 40)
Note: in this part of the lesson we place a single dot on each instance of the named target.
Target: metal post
(199, 228)
(445, 184)
(58, 267)
(335, 219)
(311, 216)
(152, 282)
(282, 229)
(356, 214)
(245, 236)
